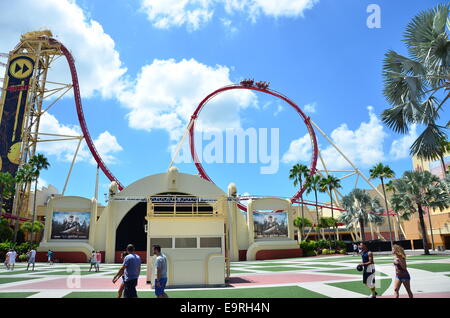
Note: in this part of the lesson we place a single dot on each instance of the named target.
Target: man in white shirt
(31, 257)
(11, 259)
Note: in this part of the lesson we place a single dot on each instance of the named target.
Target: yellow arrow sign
(21, 68)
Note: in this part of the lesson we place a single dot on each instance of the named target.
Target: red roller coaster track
(204, 175)
(81, 119)
(201, 170)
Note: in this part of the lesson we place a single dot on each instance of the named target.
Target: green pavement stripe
(266, 292)
(14, 272)
(5, 280)
(359, 287)
(432, 267)
(17, 295)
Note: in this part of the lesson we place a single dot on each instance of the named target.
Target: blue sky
(145, 65)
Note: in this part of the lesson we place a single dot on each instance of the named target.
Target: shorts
(130, 288)
(162, 285)
(403, 278)
(31, 260)
(369, 279)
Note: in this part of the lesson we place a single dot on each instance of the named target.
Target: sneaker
(372, 296)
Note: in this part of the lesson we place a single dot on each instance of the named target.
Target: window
(164, 242)
(211, 242)
(185, 242)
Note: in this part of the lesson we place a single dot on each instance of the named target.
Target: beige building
(198, 226)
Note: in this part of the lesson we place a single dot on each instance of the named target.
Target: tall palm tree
(383, 172)
(24, 175)
(38, 162)
(7, 183)
(391, 188)
(313, 184)
(329, 184)
(359, 205)
(298, 173)
(412, 84)
(417, 190)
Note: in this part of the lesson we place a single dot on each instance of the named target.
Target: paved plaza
(316, 277)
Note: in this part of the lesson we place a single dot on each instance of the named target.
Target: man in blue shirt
(130, 271)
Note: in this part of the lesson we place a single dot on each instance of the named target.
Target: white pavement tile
(51, 294)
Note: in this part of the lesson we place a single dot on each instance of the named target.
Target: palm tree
(301, 223)
(298, 173)
(24, 175)
(383, 172)
(412, 83)
(7, 183)
(359, 205)
(391, 188)
(329, 184)
(38, 162)
(30, 227)
(373, 218)
(327, 222)
(417, 190)
(313, 184)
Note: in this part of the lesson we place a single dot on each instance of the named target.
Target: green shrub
(6, 232)
(323, 244)
(308, 245)
(341, 244)
(6, 246)
(332, 251)
(22, 258)
(25, 247)
(325, 251)
(342, 251)
(310, 253)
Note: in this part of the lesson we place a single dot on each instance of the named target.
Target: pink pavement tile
(86, 283)
(423, 295)
(269, 279)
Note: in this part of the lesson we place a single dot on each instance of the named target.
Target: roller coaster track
(80, 113)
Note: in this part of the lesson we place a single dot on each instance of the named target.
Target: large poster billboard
(70, 225)
(270, 224)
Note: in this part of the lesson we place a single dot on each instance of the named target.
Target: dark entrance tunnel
(131, 229)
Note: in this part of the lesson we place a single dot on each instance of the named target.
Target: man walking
(130, 271)
(31, 258)
(11, 256)
(368, 269)
(161, 272)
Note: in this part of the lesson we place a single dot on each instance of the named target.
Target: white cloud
(196, 13)
(400, 147)
(299, 150)
(167, 92)
(363, 146)
(167, 13)
(106, 144)
(98, 63)
(310, 108)
(276, 9)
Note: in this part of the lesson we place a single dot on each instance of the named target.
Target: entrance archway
(131, 229)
